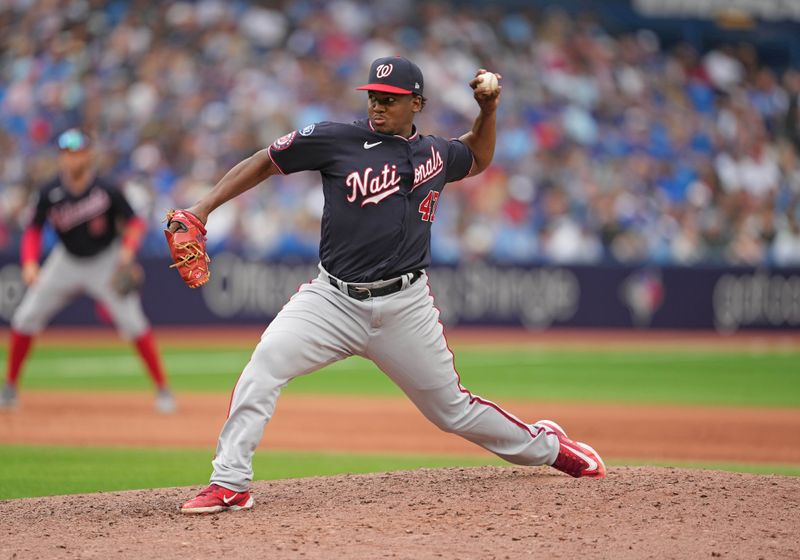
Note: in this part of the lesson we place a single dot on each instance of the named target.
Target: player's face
(75, 163)
(392, 113)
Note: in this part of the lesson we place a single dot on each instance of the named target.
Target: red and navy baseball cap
(73, 140)
(394, 74)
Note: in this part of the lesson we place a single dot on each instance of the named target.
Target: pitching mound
(486, 512)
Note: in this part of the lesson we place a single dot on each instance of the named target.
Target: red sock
(103, 314)
(20, 345)
(146, 346)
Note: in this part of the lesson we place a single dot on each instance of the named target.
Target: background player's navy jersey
(87, 223)
(380, 193)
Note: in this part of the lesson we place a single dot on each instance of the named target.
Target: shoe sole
(217, 509)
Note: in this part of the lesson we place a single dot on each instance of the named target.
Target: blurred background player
(98, 235)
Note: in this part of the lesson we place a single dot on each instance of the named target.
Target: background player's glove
(127, 278)
(187, 246)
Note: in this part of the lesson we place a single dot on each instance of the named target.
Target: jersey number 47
(428, 206)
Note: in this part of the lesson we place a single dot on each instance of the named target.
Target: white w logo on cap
(383, 70)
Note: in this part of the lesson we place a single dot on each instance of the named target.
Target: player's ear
(416, 103)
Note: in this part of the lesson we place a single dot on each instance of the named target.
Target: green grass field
(44, 471)
(769, 378)
(724, 377)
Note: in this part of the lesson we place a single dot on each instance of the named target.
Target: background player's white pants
(65, 276)
(401, 333)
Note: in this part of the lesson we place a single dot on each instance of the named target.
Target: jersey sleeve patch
(285, 141)
(309, 148)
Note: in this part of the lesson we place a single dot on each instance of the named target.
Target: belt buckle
(361, 291)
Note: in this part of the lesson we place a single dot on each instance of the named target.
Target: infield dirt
(392, 425)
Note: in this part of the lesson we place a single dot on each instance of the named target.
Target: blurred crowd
(611, 149)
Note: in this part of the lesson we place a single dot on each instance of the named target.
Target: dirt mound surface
(486, 512)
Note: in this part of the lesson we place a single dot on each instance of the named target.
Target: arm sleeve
(459, 160)
(132, 235)
(31, 242)
(303, 150)
(31, 245)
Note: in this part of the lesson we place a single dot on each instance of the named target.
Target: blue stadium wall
(480, 294)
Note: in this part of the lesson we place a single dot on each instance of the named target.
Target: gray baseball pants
(63, 277)
(402, 335)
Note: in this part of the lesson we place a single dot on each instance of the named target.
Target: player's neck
(405, 132)
(77, 182)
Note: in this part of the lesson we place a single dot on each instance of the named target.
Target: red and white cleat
(215, 498)
(574, 457)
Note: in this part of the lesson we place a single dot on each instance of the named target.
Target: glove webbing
(187, 258)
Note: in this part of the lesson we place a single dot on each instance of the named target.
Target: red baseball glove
(187, 246)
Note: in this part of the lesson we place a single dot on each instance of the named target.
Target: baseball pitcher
(382, 182)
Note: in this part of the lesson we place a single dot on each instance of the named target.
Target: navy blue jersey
(380, 190)
(85, 223)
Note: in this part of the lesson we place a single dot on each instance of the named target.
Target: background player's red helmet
(394, 74)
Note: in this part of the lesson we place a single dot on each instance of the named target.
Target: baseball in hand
(487, 83)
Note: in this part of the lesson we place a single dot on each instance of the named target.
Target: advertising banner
(478, 294)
